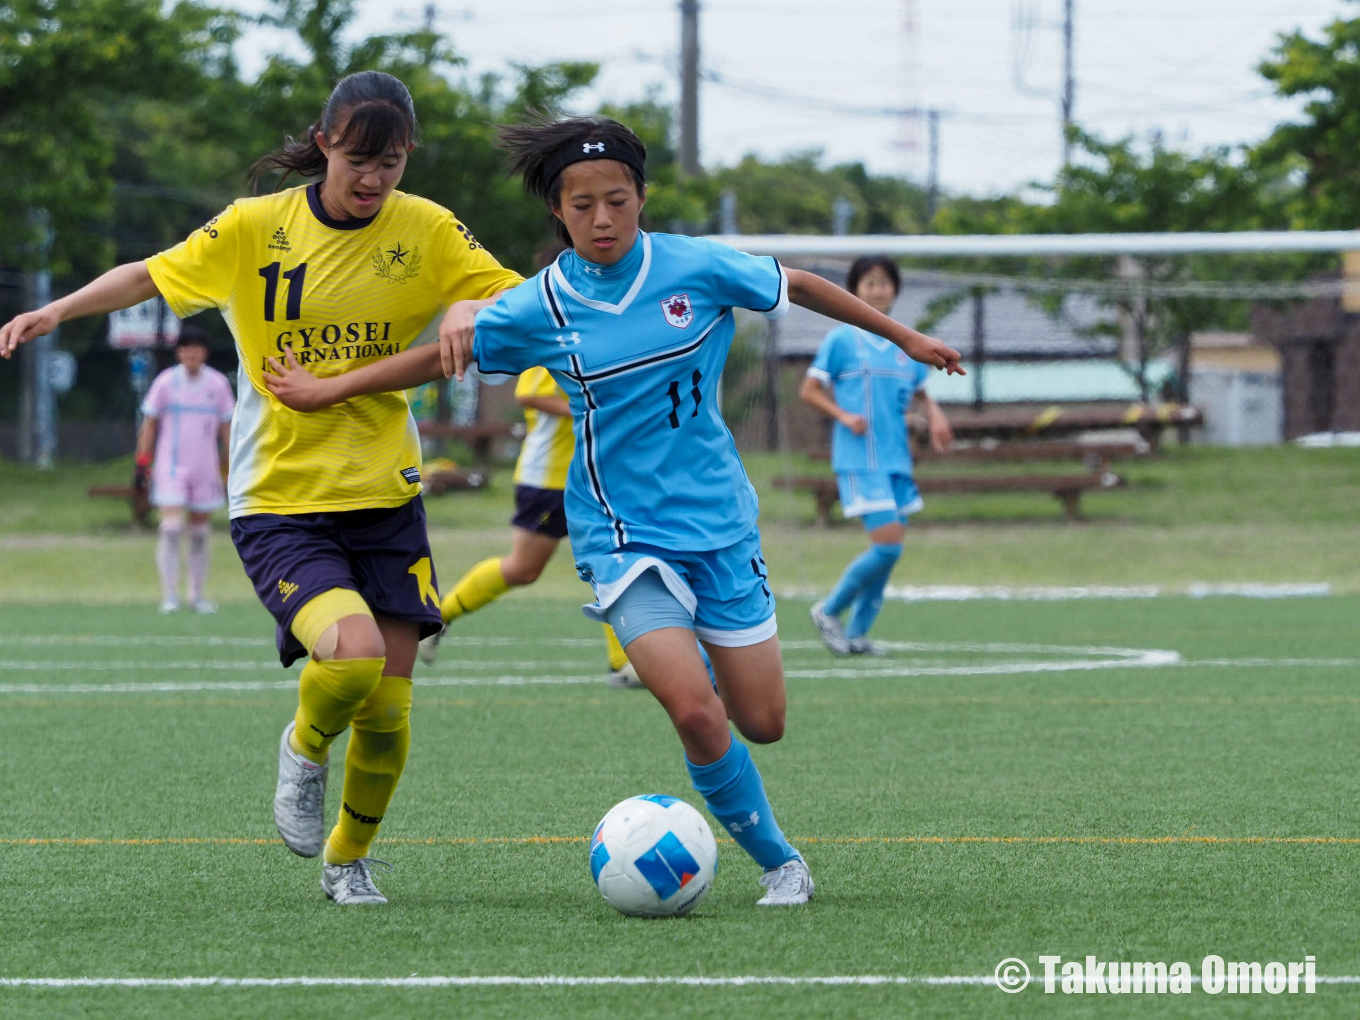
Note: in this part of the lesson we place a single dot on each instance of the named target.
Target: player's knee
(765, 727)
(699, 719)
(517, 575)
(358, 637)
(888, 553)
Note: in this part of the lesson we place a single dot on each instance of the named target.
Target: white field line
(544, 981)
(1147, 659)
(1064, 593)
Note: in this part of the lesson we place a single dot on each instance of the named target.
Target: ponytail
(296, 155)
(377, 113)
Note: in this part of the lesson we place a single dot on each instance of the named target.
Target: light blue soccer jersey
(638, 348)
(872, 377)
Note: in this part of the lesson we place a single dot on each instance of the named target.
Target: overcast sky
(798, 74)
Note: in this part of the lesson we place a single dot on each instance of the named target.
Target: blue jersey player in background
(635, 328)
(872, 383)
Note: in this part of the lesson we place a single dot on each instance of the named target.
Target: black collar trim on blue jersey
(319, 211)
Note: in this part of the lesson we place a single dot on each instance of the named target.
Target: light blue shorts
(879, 497)
(723, 594)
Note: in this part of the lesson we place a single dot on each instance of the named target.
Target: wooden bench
(1149, 420)
(1067, 488)
(139, 500)
(1096, 456)
(477, 437)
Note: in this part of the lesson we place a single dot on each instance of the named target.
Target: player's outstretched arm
(819, 295)
(297, 388)
(121, 287)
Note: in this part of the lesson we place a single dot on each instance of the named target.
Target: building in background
(1319, 348)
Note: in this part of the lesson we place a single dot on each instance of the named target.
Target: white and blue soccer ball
(653, 856)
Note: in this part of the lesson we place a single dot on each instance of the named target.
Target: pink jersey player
(188, 411)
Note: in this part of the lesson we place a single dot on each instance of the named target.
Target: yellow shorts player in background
(539, 523)
(326, 510)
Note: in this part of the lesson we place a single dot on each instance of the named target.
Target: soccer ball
(653, 856)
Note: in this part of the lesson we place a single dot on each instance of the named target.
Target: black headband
(591, 148)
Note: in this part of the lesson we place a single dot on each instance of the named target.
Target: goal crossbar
(821, 245)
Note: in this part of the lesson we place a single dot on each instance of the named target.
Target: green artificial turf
(970, 797)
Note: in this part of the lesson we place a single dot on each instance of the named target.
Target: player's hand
(25, 327)
(856, 423)
(941, 434)
(455, 337)
(294, 386)
(929, 351)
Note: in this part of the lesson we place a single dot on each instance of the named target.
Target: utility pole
(1069, 80)
(39, 436)
(727, 212)
(689, 88)
(842, 212)
(979, 347)
(933, 173)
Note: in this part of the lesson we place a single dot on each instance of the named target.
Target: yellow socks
(617, 658)
(480, 586)
(379, 739)
(330, 694)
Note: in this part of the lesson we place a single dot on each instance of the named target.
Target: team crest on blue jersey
(396, 263)
(679, 311)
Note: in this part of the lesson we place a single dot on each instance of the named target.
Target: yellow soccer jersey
(548, 443)
(342, 293)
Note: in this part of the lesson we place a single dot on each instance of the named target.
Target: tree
(1323, 149)
(66, 66)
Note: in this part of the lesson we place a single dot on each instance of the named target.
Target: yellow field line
(852, 840)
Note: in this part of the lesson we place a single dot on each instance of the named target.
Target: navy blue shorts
(540, 511)
(382, 554)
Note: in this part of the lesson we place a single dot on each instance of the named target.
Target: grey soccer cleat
(863, 646)
(830, 630)
(352, 884)
(790, 884)
(429, 647)
(300, 800)
(625, 677)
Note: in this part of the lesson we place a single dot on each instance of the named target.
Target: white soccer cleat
(429, 647)
(789, 885)
(300, 800)
(863, 646)
(625, 677)
(352, 884)
(205, 607)
(830, 630)
(168, 606)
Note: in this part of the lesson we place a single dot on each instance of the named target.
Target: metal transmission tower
(1069, 80)
(1024, 20)
(689, 88)
(909, 136)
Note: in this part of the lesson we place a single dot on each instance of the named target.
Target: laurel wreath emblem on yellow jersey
(396, 264)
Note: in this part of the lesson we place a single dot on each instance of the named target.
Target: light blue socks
(734, 793)
(862, 584)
